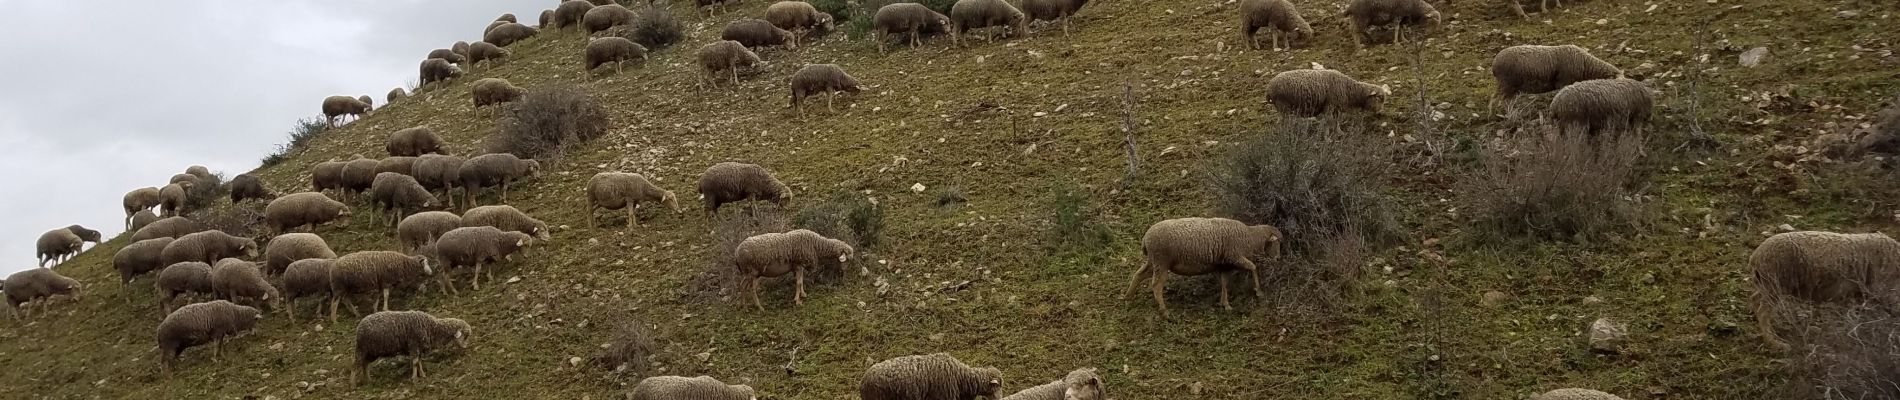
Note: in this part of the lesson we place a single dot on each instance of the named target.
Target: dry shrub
(547, 120)
(300, 135)
(655, 27)
(631, 352)
(1844, 352)
(1552, 186)
(721, 277)
(847, 216)
(244, 220)
(205, 192)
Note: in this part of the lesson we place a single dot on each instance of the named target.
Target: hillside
(1014, 125)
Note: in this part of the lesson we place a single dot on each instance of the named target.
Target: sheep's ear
(459, 335)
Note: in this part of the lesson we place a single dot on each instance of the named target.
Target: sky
(99, 98)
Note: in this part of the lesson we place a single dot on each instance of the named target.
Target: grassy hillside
(1014, 125)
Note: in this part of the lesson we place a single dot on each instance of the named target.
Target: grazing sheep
(800, 18)
(437, 70)
(373, 272)
(290, 247)
(600, 18)
(546, 17)
(485, 51)
(447, 54)
(436, 171)
(1195, 246)
(359, 174)
(775, 254)
(396, 164)
(1533, 69)
(571, 12)
(1323, 93)
(460, 47)
(506, 218)
(367, 103)
(753, 33)
(1517, 6)
(335, 106)
(172, 198)
(395, 94)
(1057, 11)
(1081, 384)
(928, 377)
(821, 78)
(1823, 267)
(36, 286)
(913, 19)
(725, 55)
(405, 333)
(1575, 394)
(495, 91)
(617, 50)
(680, 387)
(1398, 13)
(1279, 17)
(140, 199)
(491, 27)
(707, 4)
(207, 247)
(414, 142)
(967, 15)
(235, 280)
(139, 258)
(141, 219)
(510, 17)
(182, 178)
(299, 209)
(475, 246)
(398, 194)
(182, 278)
(61, 244)
(305, 278)
(170, 227)
(729, 182)
(202, 323)
(247, 186)
(491, 170)
(421, 229)
(1600, 106)
(202, 173)
(508, 34)
(327, 175)
(617, 190)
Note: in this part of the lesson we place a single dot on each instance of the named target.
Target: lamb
(335, 106)
(327, 175)
(421, 229)
(300, 209)
(1195, 246)
(372, 272)
(967, 15)
(173, 197)
(617, 190)
(1399, 13)
(207, 247)
(233, 279)
(37, 286)
(1599, 106)
(729, 182)
(359, 174)
(906, 18)
(485, 51)
(414, 142)
(435, 171)
(821, 78)
(475, 246)
(680, 387)
(139, 258)
(775, 254)
(182, 278)
(171, 227)
(571, 12)
(1081, 384)
(1822, 267)
(753, 32)
(1533, 69)
(287, 248)
(305, 278)
(438, 70)
(494, 169)
(199, 324)
(399, 194)
(928, 377)
(1575, 394)
(447, 54)
(1279, 17)
(139, 200)
(508, 34)
(600, 18)
(1323, 93)
(405, 333)
(141, 220)
(617, 50)
(495, 91)
(247, 186)
(506, 218)
(725, 55)
(61, 244)
(799, 17)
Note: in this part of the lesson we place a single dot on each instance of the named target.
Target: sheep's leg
(475, 282)
(415, 366)
(291, 311)
(1519, 8)
(504, 191)
(1223, 291)
(1398, 33)
(735, 75)
(1759, 304)
(1065, 26)
(1141, 273)
(633, 219)
(384, 306)
(880, 37)
(590, 217)
(333, 300)
(798, 292)
(1160, 281)
(828, 98)
(754, 288)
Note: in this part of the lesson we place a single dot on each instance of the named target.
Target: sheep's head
(247, 246)
(824, 23)
(463, 333)
(530, 167)
(1375, 98)
(672, 201)
(427, 269)
(744, 390)
(989, 382)
(845, 252)
(1271, 239)
(1084, 385)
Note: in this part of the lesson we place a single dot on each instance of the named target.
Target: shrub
(205, 192)
(548, 120)
(300, 135)
(630, 352)
(1320, 192)
(1844, 352)
(1074, 219)
(655, 27)
(847, 216)
(721, 277)
(951, 195)
(237, 220)
(1552, 186)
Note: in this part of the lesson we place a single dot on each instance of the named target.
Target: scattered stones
(1608, 335)
(1754, 57)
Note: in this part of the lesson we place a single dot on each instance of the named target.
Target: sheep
(913, 19)
(729, 182)
(460, 47)
(287, 248)
(202, 173)
(247, 186)
(182, 278)
(436, 171)
(447, 54)
(491, 27)
(546, 17)
(1398, 13)
(421, 229)
(489, 91)
(474, 246)
(1542, 6)
(359, 174)
(725, 55)
(58, 245)
(413, 142)
(399, 194)
(198, 324)
(491, 170)
(617, 50)
(172, 198)
(1600, 106)
(373, 272)
(405, 333)
(800, 18)
(1055, 11)
(233, 279)
(1533, 69)
(171, 227)
(139, 258)
(617, 190)
(395, 94)
(1824, 267)
(821, 78)
(1195, 246)
(437, 70)
(140, 199)
(327, 175)
(510, 17)
(485, 51)
(300, 209)
(508, 34)
(141, 219)
(1279, 17)
(753, 33)
(506, 218)
(571, 12)
(600, 18)
(1081, 384)
(928, 377)
(368, 104)
(335, 106)
(967, 15)
(1575, 394)
(1323, 93)
(680, 387)
(181, 178)
(709, 3)
(775, 254)
(207, 247)
(36, 286)
(305, 278)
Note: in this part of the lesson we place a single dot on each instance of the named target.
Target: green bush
(846, 216)
(1074, 219)
(300, 135)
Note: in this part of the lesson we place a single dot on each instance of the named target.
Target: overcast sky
(97, 99)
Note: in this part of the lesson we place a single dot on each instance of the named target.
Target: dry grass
(1844, 352)
(545, 122)
(1552, 186)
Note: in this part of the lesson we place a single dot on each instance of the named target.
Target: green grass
(965, 118)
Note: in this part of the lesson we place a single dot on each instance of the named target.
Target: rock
(1195, 388)
(1592, 300)
(1495, 298)
(1847, 14)
(919, 188)
(1607, 335)
(1785, 228)
(1754, 57)
(574, 361)
(704, 356)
